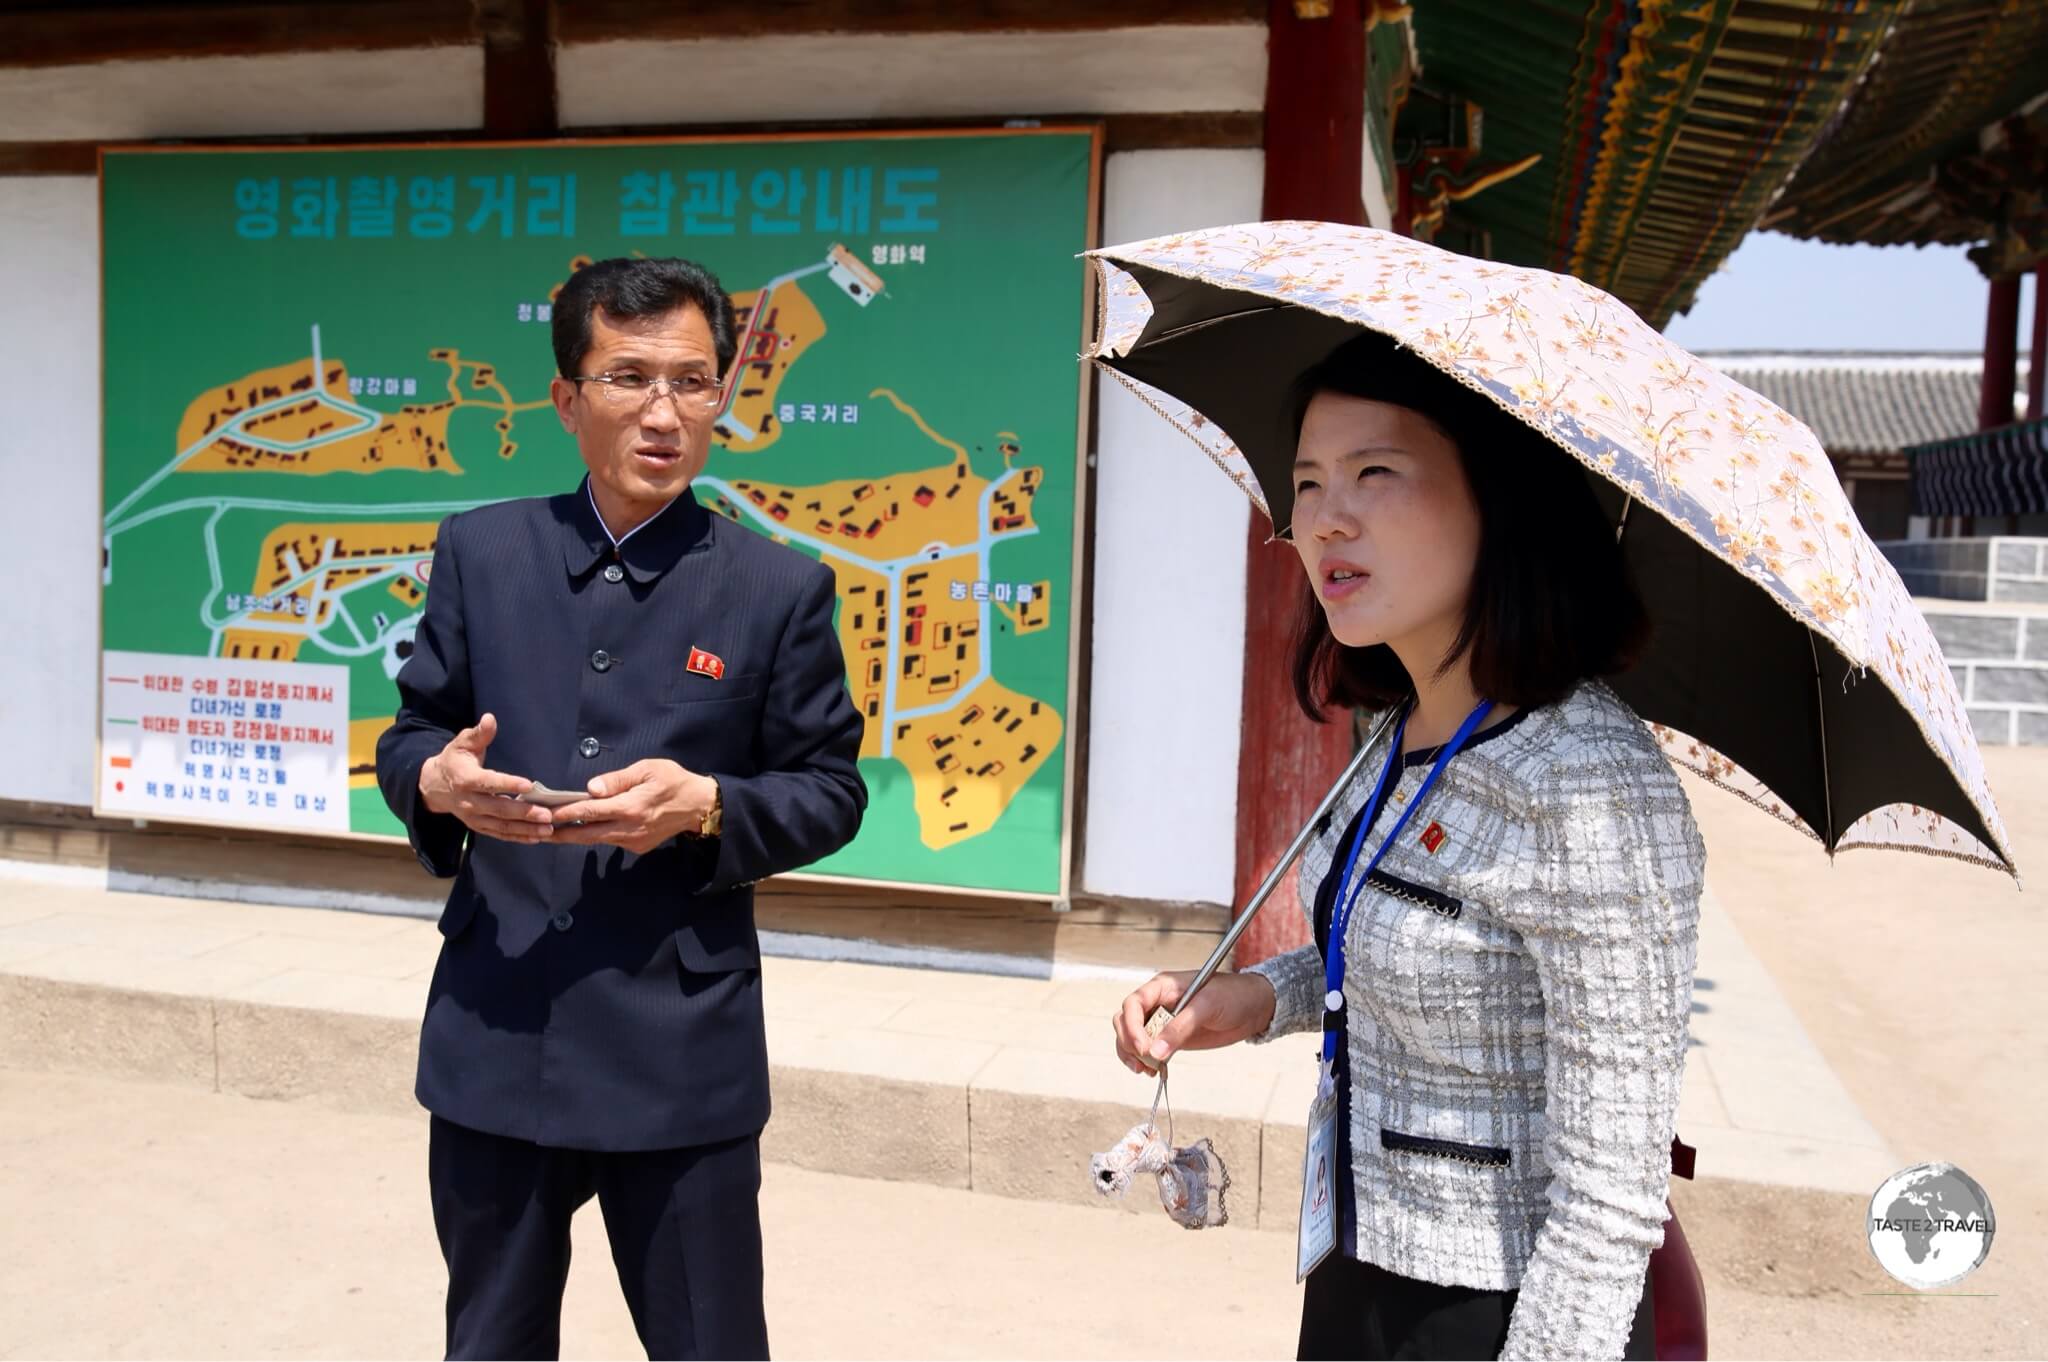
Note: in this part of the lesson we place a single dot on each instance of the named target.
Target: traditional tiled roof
(1950, 70)
(1668, 129)
(1994, 472)
(1865, 402)
(1664, 128)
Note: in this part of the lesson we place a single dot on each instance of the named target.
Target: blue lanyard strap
(1347, 892)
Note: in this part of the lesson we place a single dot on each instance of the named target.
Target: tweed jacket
(1516, 1000)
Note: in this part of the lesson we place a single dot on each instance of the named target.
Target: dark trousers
(1351, 1309)
(685, 1230)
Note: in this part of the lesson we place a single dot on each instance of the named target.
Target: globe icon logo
(1931, 1225)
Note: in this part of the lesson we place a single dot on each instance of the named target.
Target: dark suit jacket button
(614, 573)
(588, 747)
(562, 922)
(601, 661)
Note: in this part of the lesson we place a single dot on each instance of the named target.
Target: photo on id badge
(1317, 1235)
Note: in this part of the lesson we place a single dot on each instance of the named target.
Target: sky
(1776, 292)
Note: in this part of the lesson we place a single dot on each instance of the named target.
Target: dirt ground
(146, 1221)
(1922, 981)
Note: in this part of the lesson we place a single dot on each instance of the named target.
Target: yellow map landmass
(971, 742)
(362, 750)
(968, 763)
(1030, 616)
(774, 333)
(864, 638)
(304, 565)
(324, 436)
(416, 438)
(969, 759)
(881, 518)
(900, 514)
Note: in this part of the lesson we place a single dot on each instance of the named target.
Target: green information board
(313, 355)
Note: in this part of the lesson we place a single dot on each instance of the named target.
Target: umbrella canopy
(1787, 661)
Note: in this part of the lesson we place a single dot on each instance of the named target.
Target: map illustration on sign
(902, 407)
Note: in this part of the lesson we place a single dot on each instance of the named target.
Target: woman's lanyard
(1348, 893)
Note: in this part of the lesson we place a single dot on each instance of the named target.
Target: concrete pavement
(972, 1081)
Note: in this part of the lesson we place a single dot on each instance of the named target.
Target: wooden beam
(65, 35)
(49, 158)
(589, 21)
(1183, 131)
(519, 67)
(1121, 132)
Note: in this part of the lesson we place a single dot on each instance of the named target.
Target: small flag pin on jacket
(706, 664)
(1433, 837)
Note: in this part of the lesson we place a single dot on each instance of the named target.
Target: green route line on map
(891, 571)
(369, 420)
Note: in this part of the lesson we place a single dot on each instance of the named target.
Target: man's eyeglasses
(631, 390)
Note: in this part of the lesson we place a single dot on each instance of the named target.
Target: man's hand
(638, 808)
(455, 780)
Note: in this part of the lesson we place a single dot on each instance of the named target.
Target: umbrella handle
(1161, 1016)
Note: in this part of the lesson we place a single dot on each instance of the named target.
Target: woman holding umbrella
(1505, 886)
(1514, 904)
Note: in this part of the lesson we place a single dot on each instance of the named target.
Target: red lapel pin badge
(1433, 837)
(706, 664)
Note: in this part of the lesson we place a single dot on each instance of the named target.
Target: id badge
(1317, 1236)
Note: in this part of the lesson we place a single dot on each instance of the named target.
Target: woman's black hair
(1552, 602)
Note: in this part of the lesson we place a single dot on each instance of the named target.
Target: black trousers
(1351, 1309)
(684, 1225)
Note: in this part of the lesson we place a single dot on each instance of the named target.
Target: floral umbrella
(1787, 661)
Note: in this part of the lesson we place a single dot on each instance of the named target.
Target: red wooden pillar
(2001, 358)
(1315, 145)
(2037, 345)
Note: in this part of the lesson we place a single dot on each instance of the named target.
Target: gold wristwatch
(712, 820)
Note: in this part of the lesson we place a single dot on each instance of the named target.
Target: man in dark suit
(594, 1024)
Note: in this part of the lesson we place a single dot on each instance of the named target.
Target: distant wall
(1989, 569)
(50, 468)
(1999, 656)
(1169, 592)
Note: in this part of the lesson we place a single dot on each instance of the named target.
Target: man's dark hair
(1552, 602)
(633, 287)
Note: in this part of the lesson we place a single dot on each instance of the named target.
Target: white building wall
(1169, 567)
(277, 95)
(925, 75)
(50, 487)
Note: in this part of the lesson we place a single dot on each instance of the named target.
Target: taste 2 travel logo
(1931, 1225)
